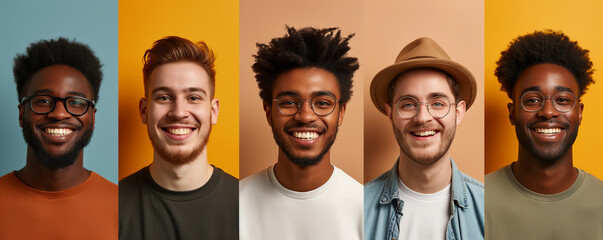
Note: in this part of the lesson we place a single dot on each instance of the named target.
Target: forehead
(306, 82)
(179, 76)
(58, 80)
(421, 84)
(546, 78)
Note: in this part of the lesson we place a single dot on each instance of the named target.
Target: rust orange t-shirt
(87, 211)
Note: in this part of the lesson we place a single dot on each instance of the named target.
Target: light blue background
(93, 23)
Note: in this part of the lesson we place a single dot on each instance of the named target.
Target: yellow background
(143, 22)
(581, 21)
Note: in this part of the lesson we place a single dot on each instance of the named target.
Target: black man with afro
(54, 196)
(542, 195)
(305, 81)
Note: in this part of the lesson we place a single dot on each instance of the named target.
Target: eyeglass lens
(408, 107)
(563, 101)
(321, 104)
(45, 104)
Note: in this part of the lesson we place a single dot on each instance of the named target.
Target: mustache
(302, 125)
(553, 121)
(46, 124)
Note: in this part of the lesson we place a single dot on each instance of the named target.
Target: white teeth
(58, 131)
(548, 131)
(305, 135)
(179, 131)
(425, 133)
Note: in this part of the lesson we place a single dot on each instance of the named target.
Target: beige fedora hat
(422, 53)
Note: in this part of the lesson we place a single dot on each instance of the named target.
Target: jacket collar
(390, 188)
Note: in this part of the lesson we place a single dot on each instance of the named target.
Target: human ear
(511, 108)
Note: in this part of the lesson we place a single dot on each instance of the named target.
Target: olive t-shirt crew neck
(148, 211)
(515, 212)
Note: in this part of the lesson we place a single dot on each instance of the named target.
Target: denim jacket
(383, 207)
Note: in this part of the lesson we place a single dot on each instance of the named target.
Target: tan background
(458, 26)
(261, 21)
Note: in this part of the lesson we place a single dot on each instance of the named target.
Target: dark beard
(548, 156)
(305, 161)
(51, 161)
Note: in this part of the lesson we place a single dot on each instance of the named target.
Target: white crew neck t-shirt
(268, 210)
(424, 216)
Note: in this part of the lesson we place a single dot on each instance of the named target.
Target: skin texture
(424, 163)
(179, 99)
(306, 83)
(545, 162)
(40, 171)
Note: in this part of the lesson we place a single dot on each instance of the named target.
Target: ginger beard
(175, 155)
(416, 150)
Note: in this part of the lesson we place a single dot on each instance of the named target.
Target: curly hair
(543, 47)
(173, 49)
(59, 51)
(306, 47)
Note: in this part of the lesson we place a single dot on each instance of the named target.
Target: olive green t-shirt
(515, 212)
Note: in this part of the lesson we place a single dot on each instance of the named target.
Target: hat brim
(464, 78)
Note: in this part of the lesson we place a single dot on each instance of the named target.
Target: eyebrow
(296, 93)
(186, 90)
(431, 95)
(536, 88)
(46, 91)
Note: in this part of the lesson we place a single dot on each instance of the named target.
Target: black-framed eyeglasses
(43, 104)
(563, 101)
(438, 106)
(322, 105)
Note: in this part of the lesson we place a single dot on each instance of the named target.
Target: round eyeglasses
(43, 104)
(322, 105)
(563, 101)
(438, 107)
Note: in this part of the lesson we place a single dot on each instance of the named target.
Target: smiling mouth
(305, 135)
(424, 133)
(178, 131)
(58, 131)
(548, 131)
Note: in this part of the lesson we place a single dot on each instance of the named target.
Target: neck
(181, 177)
(40, 177)
(302, 179)
(544, 177)
(425, 178)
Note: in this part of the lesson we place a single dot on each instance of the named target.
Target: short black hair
(59, 51)
(307, 47)
(543, 47)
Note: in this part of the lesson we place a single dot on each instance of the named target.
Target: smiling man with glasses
(542, 195)
(424, 196)
(305, 80)
(54, 196)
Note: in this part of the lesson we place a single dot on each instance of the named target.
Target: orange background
(143, 22)
(508, 19)
(458, 27)
(261, 21)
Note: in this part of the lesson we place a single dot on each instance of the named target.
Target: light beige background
(458, 26)
(261, 21)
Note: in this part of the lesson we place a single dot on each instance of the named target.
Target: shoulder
(254, 181)
(497, 177)
(132, 183)
(373, 190)
(472, 183)
(103, 184)
(347, 180)
(226, 180)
